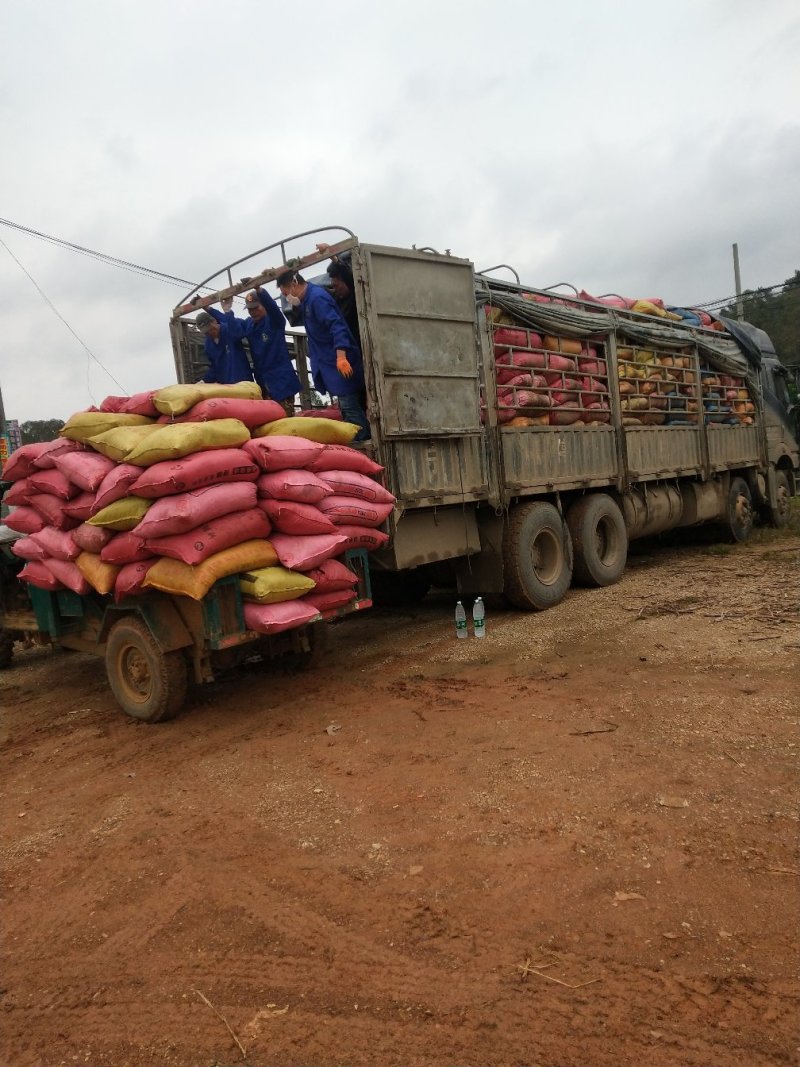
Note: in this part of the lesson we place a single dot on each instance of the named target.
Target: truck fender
(161, 617)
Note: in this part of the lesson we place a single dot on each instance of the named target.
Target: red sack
(84, 469)
(196, 545)
(185, 511)
(36, 573)
(331, 576)
(305, 553)
(51, 510)
(275, 618)
(21, 462)
(280, 452)
(353, 484)
(289, 517)
(363, 537)
(505, 335)
(301, 486)
(68, 575)
(116, 485)
(56, 543)
(212, 466)
(54, 482)
(322, 413)
(251, 412)
(24, 520)
(344, 458)
(351, 511)
(125, 548)
(336, 598)
(27, 548)
(81, 507)
(18, 493)
(52, 449)
(130, 579)
(91, 538)
(138, 404)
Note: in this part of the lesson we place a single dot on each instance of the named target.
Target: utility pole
(738, 281)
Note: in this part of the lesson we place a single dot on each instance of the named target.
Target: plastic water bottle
(479, 618)
(461, 620)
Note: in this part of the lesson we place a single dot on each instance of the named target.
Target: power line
(113, 261)
(55, 311)
(748, 292)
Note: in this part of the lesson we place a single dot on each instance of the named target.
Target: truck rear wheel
(599, 540)
(537, 557)
(148, 683)
(739, 515)
(779, 515)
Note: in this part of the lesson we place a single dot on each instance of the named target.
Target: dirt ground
(572, 844)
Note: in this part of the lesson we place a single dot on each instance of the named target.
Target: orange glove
(343, 364)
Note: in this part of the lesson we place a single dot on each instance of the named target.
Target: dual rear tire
(542, 552)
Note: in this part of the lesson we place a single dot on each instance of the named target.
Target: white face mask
(292, 301)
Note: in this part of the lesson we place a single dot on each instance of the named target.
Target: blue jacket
(327, 331)
(227, 359)
(267, 340)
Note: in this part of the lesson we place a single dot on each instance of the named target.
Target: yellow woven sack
(117, 443)
(85, 424)
(177, 399)
(324, 431)
(99, 574)
(270, 585)
(183, 579)
(122, 515)
(177, 439)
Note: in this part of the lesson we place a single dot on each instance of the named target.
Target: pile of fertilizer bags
(176, 488)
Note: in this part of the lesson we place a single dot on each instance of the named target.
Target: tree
(40, 430)
(778, 314)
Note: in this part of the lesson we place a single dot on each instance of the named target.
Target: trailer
(155, 645)
(524, 510)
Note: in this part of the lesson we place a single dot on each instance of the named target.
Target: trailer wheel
(149, 684)
(739, 515)
(599, 539)
(537, 557)
(6, 649)
(779, 515)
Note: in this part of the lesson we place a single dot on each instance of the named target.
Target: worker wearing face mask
(337, 366)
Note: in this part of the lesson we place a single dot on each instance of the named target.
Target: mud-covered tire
(779, 515)
(599, 540)
(6, 649)
(737, 524)
(148, 683)
(537, 557)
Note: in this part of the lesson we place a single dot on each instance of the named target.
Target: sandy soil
(573, 843)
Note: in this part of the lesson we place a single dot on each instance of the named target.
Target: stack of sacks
(321, 500)
(184, 487)
(555, 381)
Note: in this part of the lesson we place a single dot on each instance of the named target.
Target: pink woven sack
(275, 618)
(185, 511)
(196, 545)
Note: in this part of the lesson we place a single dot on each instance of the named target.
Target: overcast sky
(620, 146)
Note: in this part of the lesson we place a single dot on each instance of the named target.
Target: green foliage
(778, 314)
(40, 430)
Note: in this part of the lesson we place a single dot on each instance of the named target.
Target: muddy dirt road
(573, 844)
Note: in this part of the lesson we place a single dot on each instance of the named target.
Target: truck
(524, 506)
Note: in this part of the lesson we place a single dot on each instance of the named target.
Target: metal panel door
(424, 372)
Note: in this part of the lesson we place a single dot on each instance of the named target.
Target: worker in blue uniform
(227, 359)
(265, 331)
(337, 366)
